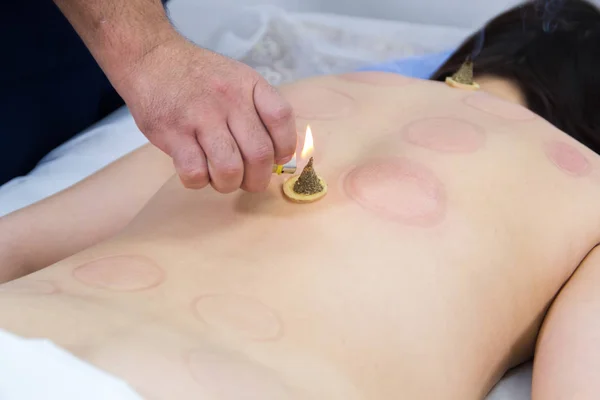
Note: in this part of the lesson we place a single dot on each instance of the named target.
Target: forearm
(118, 33)
(568, 351)
(82, 215)
(12, 265)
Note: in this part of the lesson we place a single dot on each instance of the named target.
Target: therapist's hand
(219, 120)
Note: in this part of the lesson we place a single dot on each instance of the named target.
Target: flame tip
(308, 143)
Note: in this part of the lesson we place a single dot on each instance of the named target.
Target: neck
(502, 88)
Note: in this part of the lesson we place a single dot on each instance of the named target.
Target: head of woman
(550, 51)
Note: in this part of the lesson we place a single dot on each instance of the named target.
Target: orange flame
(309, 146)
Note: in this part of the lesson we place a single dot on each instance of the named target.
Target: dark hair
(556, 64)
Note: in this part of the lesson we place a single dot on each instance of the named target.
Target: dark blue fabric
(51, 88)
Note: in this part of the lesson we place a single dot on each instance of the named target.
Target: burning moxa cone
(463, 78)
(306, 187)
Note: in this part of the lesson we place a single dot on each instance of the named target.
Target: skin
(425, 272)
(218, 119)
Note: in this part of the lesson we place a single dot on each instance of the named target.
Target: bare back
(452, 219)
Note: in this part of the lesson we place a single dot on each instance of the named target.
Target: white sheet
(36, 369)
(73, 161)
(283, 47)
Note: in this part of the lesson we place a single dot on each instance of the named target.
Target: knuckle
(231, 171)
(194, 175)
(262, 154)
(223, 145)
(197, 174)
(190, 169)
(281, 112)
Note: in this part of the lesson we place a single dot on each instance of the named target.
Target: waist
(371, 328)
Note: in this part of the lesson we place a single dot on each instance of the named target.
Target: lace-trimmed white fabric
(284, 47)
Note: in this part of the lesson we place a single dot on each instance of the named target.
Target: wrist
(11, 268)
(123, 57)
(118, 32)
(139, 77)
(12, 262)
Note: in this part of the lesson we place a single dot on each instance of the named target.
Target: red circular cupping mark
(123, 273)
(445, 135)
(567, 158)
(243, 316)
(400, 190)
(320, 103)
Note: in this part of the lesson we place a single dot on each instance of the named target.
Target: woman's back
(452, 220)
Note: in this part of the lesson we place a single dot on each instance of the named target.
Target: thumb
(278, 117)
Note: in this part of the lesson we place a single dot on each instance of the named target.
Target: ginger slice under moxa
(306, 187)
(463, 78)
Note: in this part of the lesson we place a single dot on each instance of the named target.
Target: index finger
(278, 117)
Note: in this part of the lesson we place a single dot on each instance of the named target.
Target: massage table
(283, 46)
